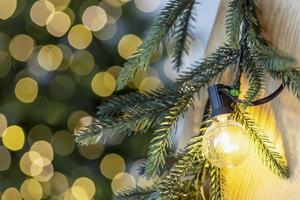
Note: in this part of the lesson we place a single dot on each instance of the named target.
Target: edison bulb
(225, 144)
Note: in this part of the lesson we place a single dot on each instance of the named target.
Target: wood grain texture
(280, 119)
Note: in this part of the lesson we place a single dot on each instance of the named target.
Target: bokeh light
(5, 158)
(3, 124)
(11, 194)
(122, 181)
(63, 143)
(5, 61)
(91, 152)
(31, 189)
(45, 174)
(114, 71)
(82, 62)
(58, 184)
(87, 186)
(50, 57)
(107, 33)
(128, 45)
(94, 17)
(45, 151)
(74, 118)
(21, 47)
(7, 8)
(13, 138)
(113, 13)
(103, 84)
(60, 4)
(79, 37)
(38, 133)
(26, 90)
(111, 165)
(41, 12)
(147, 6)
(59, 24)
(150, 84)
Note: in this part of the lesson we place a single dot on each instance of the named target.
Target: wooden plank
(280, 119)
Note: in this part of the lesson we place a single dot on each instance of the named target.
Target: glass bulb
(225, 143)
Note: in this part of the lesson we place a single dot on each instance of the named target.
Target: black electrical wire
(226, 90)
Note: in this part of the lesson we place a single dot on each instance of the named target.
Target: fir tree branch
(276, 62)
(217, 184)
(140, 60)
(234, 19)
(137, 193)
(193, 154)
(255, 72)
(162, 141)
(266, 152)
(182, 36)
(210, 67)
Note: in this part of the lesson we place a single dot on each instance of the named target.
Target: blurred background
(59, 59)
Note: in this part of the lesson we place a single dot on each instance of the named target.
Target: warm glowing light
(63, 143)
(13, 138)
(114, 70)
(225, 143)
(128, 45)
(5, 62)
(38, 133)
(122, 181)
(79, 193)
(103, 84)
(26, 90)
(91, 152)
(74, 119)
(11, 193)
(82, 62)
(87, 185)
(5, 159)
(58, 183)
(83, 122)
(3, 124)
(107, 33)
(59, 24)
(45, 174)
(41, 12)
(146, 5)
(45, 151)
(7, 8)
(113, 13)
(111, 165)
(60, 4)
(31, 189)
(29, 166)
(150, 84)
(21, 47)
(50, 57)
(94, 17)
(116, 3)
(79, 37)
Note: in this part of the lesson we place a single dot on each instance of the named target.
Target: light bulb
(225, 144)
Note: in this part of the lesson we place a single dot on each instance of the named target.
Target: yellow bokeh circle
(111, 165)
(94, 17)
(128, 45)
(122, 181)
(59, 24)
(87, 185)
(13, 138)
(11, 194)
(26, 90)
(82, 62)
(41, 12)
(60, 4)
(63, 143)
(103, 84)
(7, 8)
(5, 160)
(21, 47)
(3, 124)
(50, 57)
(31, 189)
(79, 36)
